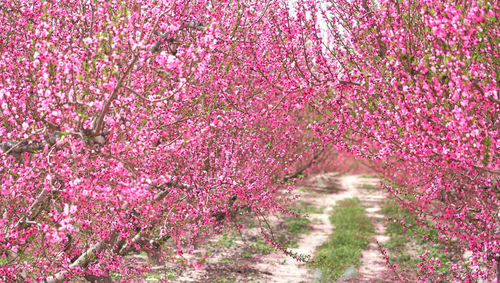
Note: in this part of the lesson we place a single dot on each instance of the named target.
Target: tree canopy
(127, 123)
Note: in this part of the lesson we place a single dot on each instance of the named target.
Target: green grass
(368, 176)
(399, 247)
(310, 208)
(226, 241)
(246, 254)
(301, 225)
(369, 187)
(224, 280)
(298, 226)
(160, 276)
(261, 246)
(351, 236)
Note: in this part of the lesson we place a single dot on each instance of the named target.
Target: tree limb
(303, 168)
(85, 258)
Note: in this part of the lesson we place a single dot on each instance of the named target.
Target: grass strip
(353, 231)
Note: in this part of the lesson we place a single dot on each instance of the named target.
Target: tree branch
(137, 238)
(98, 127)
(85, 258)
(303, 168)
(19, 147)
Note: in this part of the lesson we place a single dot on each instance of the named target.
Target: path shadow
(325, 183)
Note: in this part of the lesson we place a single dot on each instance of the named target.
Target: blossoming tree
(128, 123)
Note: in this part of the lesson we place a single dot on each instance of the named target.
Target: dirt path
(287, 269)
(372, 262)
(330, 189)
(231, 260)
